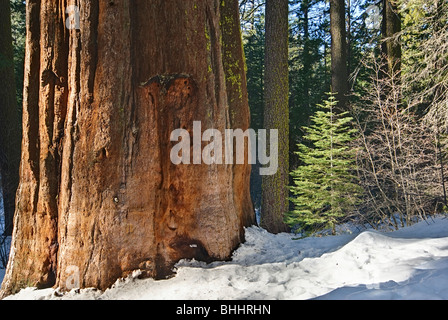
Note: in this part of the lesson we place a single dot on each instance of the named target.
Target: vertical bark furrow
(48, 179)
(26, 239)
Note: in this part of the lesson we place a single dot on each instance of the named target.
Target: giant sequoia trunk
(98, 193)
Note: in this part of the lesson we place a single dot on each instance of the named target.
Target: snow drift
(411, 263)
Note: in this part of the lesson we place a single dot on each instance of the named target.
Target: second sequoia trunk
(98, 194)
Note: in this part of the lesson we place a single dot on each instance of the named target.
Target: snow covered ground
(411, 263)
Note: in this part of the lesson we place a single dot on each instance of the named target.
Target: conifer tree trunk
(9, 119)
(276, 114)
(99, 196)
(339, 71)
(391, 47)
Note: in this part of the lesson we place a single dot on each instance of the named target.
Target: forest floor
(411, 263)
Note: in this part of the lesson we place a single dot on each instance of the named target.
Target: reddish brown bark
(99, 192)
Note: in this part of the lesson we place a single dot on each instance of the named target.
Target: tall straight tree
(305, 7)
(339, 70)
(9, 118)
(391, 47)
(276, 114)
(98, 194)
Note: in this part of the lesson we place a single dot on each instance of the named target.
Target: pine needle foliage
(325, 187)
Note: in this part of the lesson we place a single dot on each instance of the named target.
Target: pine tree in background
(18, 30)
(325, 188)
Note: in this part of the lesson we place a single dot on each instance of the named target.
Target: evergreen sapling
(324, 189)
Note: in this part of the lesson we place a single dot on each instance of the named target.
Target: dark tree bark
(339, 69)
(349, 39)
(306, 56)
(98, 193)
(391, 47)
(10, 135)
(276, 114)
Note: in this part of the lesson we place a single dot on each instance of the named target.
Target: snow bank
(411, 263)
